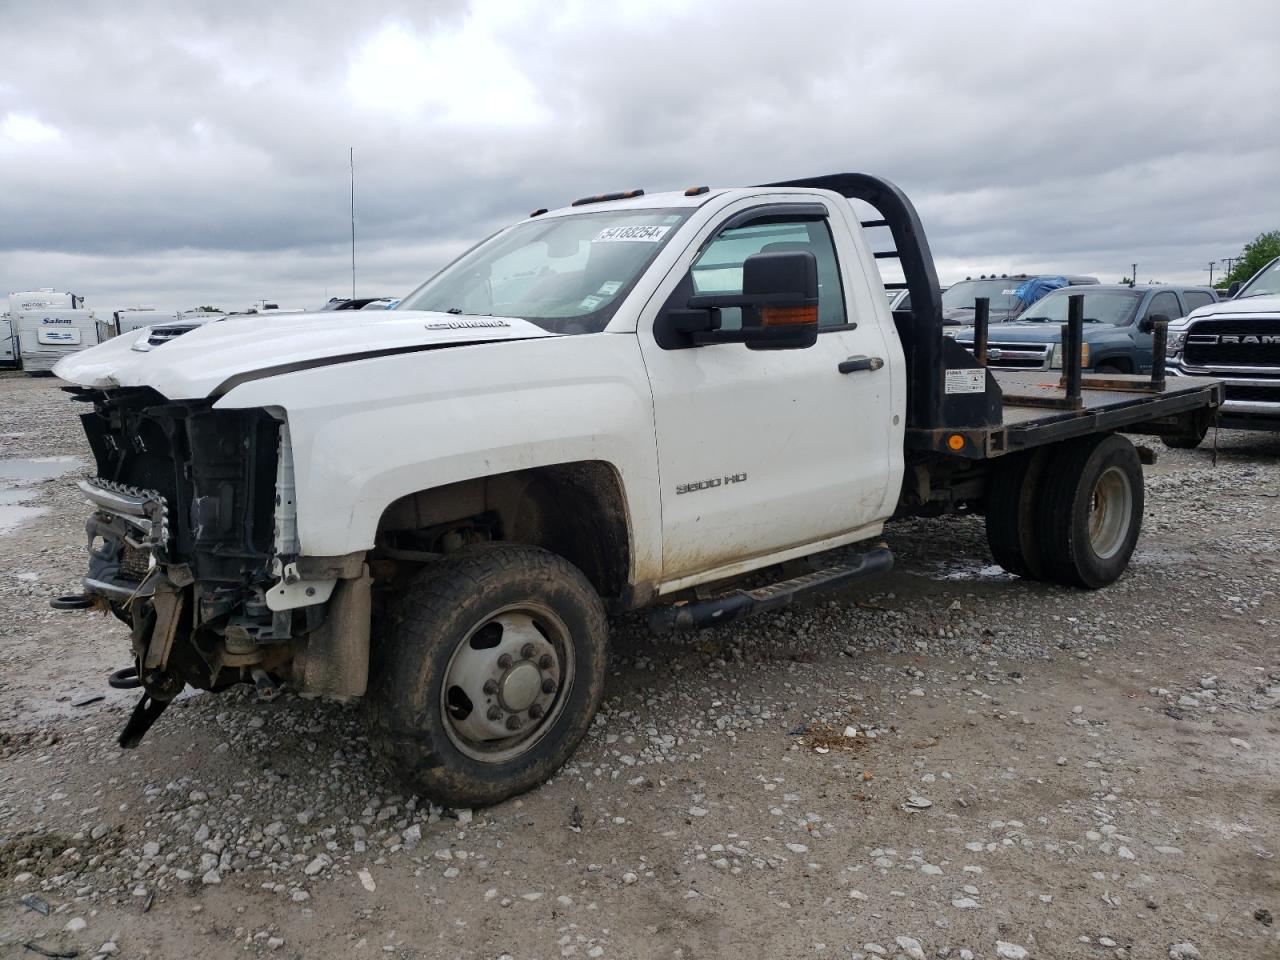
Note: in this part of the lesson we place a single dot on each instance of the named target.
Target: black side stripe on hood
(250, 375)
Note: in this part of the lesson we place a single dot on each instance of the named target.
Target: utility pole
(351, 156)
(1133, 277)
(1211, 263)
(1230, 263)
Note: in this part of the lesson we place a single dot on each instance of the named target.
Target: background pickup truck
(1008, 296)
(628, 402)
(1118, 321)
(1239, 341)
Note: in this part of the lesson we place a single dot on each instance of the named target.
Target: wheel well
(1123, 364)
(575, 510)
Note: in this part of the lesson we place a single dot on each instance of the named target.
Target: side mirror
(779, 303)
(1148, 324)
(1233, 289)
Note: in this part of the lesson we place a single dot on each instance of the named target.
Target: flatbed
(1026, 423)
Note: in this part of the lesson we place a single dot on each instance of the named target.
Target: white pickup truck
(1238, 340)
(625, 403)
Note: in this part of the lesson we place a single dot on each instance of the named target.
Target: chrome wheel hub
(520, 687)
(506, 682)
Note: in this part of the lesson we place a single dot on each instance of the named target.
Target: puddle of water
(974, 571)
(16, 478)
(12, 517)
(35, 468)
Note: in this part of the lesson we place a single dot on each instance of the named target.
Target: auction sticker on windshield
(643, 234)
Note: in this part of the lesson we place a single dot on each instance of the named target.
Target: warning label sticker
(965, 381)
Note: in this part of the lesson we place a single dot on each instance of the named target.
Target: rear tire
(1107, 368)
(1011, 513)
(489, 674)
(1090, 510)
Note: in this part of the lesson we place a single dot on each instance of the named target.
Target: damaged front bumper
(128, 534)
(194, 545)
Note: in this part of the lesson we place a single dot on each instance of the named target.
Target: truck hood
(1232, 308)
(964, 316)
(209, 359)
(1024, 331)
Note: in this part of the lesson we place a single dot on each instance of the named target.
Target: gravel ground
(947, 762)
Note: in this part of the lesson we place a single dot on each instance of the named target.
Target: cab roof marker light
(697, 191)
(539, 212)
(605, 197)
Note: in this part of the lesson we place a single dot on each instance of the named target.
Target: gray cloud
(179, 154)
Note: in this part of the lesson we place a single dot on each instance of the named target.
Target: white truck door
(761, 452)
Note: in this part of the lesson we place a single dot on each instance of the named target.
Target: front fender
(369, 432)
(1111, 347)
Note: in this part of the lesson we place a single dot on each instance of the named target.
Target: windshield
(1116, 307)
(1000, 292)
(1265, 284)
(565, 274)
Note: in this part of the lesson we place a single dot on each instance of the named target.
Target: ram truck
(630, 402)
(1237, 340)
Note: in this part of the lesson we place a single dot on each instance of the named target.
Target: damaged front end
(193, 543)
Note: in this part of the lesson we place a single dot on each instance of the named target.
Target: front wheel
(1090, 510)
(489, 674)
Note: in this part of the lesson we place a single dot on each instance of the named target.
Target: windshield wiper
(456, 311)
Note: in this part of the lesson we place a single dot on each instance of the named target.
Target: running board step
(678, 618)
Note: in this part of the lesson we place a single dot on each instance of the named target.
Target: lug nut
(526, 651)
(491, 687)
(495, 713)
(535, 711)
(504, 661)
(545, 662)
(514, 722)
(548, 686)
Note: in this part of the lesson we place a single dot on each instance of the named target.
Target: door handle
(854, 364)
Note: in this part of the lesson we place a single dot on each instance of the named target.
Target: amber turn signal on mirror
(787, 316)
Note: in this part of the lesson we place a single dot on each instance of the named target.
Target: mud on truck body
(626, 403)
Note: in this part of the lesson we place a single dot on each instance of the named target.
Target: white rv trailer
(46, 336)
(45, 298)
(127, 319)
(8, 345)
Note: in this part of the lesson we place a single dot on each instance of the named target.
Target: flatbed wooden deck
(1032, 416)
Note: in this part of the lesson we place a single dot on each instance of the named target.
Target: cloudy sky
(178, 154)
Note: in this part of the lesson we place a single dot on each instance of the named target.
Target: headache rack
(956, 406)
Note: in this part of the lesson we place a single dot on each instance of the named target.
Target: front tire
(1090, 511)
(489, 674)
